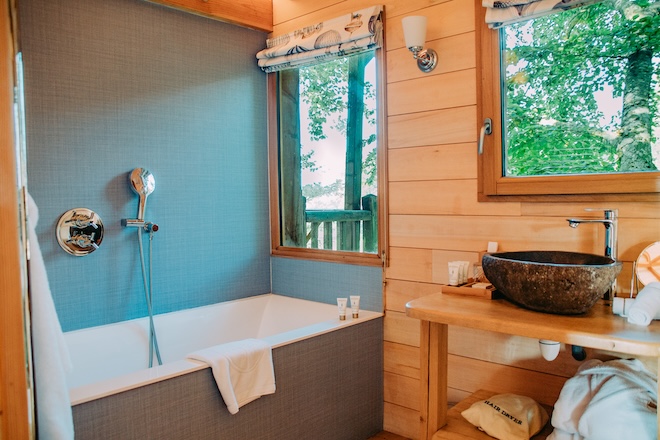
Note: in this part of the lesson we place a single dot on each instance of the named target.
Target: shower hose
(146, 278)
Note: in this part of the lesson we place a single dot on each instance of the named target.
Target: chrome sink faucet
(610, 221)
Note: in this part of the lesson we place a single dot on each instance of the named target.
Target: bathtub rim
(129, 381)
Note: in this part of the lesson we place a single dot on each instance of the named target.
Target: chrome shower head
(143, 183)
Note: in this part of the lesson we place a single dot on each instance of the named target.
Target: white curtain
(502, 13)
(346, 35)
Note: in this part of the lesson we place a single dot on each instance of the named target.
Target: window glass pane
(328, 158)
(580, 91)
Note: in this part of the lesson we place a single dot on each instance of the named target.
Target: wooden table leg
(433, 373)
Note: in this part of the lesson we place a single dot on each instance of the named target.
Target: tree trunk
(293, 207)
(350, 232)
(635, 145)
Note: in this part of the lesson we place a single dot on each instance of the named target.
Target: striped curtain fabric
(502, 13)
(342, 36)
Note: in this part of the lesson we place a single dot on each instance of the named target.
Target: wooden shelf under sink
(457, 428)
(598, 328)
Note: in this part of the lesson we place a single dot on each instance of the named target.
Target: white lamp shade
(414, 30)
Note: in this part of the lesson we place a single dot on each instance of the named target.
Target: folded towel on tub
(243, 370)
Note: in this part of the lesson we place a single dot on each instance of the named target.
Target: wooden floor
(387, 436)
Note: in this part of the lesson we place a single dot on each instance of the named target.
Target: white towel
(611, 400)
(50, 352)
(646, 305)
(243, 370)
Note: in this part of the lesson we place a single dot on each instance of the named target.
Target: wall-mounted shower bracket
(136, 223)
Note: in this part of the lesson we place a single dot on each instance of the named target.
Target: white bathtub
(113, 358)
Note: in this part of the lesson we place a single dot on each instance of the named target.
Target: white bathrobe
(611, 400)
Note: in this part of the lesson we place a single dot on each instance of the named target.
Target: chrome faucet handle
(83, 241)
(82, 221)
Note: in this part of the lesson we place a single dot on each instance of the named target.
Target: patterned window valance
(502, 13)
(346, 35)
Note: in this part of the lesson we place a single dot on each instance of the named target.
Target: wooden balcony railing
(346, 230)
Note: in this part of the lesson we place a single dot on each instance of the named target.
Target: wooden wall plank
(397, 327)
(398, 293)
(436, 162)
(472, 233)
(454, 396)
(634, 235)
(514, 350)
(444, 20)
(454, 53)
(400, 420)
(410, 264)
(447, 90)
(401, 359)
(256, 14)
(452, 197)
(288, 10)
(471, 375)
(401, 390)
(447, 126)
(289, 15)
(645, 210)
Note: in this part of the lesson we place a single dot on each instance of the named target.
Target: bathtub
(317, 358)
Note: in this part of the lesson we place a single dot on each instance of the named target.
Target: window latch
(487, 128)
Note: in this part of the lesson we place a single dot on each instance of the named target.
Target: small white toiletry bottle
(355, 305)
(454, 273)
(341, 305)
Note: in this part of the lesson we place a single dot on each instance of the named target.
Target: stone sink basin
(563, 283)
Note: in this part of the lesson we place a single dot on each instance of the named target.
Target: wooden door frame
(14, 359)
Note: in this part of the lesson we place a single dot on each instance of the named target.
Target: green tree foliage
(555, 69)
(324, 88)
(317, 190)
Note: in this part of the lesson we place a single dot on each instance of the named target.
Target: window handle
(487, 128)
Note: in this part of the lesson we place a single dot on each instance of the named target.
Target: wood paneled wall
(256, 14)
(435, 216)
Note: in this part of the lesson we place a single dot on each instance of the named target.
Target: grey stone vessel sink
(563, 283)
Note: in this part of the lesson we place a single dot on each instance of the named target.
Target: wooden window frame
(494, 186)
(355, 258)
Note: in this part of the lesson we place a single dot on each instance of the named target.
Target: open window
(326, 160)
(574, 98)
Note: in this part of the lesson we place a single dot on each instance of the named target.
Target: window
(325, 161)
(574, 101)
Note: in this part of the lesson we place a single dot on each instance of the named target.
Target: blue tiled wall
(325, 282)
(114, 85)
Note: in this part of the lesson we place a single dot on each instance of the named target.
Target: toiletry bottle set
(342, 304)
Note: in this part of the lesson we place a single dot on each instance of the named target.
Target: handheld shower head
(143, 183)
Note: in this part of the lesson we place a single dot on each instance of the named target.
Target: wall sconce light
(414, 32)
